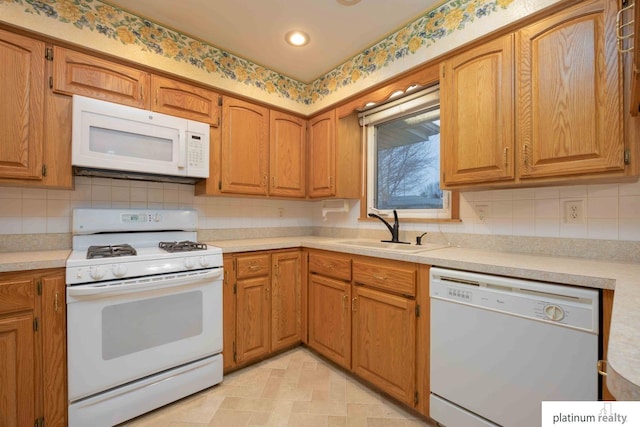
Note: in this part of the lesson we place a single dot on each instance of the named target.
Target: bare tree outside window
(408, 163)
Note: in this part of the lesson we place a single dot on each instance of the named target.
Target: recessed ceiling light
(297, 38)
(348, 2)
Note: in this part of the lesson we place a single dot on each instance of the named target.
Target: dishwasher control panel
(570, 306)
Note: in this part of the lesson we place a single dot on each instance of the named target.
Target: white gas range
(144, 313)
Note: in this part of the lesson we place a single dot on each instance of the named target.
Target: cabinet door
(478, 115)
(607, 308)
(22, 67)
(330, 318)
(184, 100)
(245, 147)
(285, 300)
(229, 313)
(17, 371)
(78, 73)
(384, 342)
(54, 350)
(253, 311)
(287, 155)
(570, 108)
(322, 155)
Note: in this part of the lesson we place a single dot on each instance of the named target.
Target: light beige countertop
(624, 351)
(32, 260)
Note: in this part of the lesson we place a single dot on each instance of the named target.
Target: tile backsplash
(609, 211)
(34, 211)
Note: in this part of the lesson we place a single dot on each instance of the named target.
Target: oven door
(120, 331)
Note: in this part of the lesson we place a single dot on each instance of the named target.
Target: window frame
(412, 101)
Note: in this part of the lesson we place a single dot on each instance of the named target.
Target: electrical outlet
(573, 211)
(481, 211)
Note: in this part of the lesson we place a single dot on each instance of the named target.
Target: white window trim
(422, 100)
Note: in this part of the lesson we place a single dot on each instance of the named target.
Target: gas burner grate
(184, 246)
(110, 251)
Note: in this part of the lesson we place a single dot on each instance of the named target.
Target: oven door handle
(145, 283)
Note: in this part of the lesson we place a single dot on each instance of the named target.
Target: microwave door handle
(144, 284)
(182, 150)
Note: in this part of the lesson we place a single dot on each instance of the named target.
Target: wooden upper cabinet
(185, 100)
(478, 115)
(287, 152)
(22, 67)
(322, 155)
(634, 102)
(569, 100)
(78, 73)
(244, 147)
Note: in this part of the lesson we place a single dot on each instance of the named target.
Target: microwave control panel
(198, 154)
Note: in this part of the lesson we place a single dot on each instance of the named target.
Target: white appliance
(501, 346)
(119, 141)
(144, 313)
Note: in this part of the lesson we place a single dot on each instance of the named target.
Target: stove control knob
(97, 272)
(204, 261)
(189, 263)
(119, 270)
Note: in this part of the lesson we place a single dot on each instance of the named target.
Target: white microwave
(118, 141)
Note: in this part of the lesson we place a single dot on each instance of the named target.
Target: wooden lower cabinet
(370, 316)
(607, 308)
(285, 300)
(252, 331)
(262, 297)
(33, 380)
(384, 341)
(330, 318)
(17, 370)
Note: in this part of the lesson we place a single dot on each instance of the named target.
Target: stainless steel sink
(395, 247)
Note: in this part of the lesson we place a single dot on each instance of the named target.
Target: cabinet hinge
(220, 185)
(415, 398)
(627, 157)
(234, 352)
(44, 170)
(50, 82)
(417, 310)
(36, 324)
(48, 54)
(220, 101)
(39, 287)
(39, 422)
(235, 288)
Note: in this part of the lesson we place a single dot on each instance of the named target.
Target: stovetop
(144, 249)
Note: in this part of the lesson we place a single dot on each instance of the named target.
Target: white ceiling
(255, 29)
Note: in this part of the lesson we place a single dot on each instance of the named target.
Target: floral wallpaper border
(117, 24)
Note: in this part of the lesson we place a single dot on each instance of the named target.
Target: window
(403, 160)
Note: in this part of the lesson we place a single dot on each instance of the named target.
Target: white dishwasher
(501, 346)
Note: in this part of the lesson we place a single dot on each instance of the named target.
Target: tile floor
(294, 389)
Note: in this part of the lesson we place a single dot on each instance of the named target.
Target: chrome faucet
(394, 230)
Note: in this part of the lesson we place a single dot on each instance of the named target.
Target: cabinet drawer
(253, 265)
(399, 278)
(336, 267)
(16, 295)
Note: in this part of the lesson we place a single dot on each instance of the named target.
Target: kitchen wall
(520, 220)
